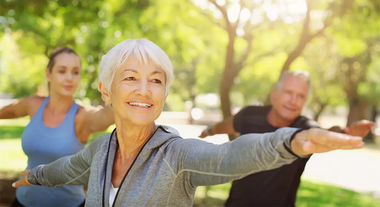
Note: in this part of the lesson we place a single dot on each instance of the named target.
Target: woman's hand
(317, 140)
(23, 181)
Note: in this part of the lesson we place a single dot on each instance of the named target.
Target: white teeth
(140, 104)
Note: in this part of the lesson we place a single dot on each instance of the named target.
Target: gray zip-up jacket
(168, 168)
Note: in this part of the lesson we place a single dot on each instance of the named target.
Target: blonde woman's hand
(317, 140)
(23, 181)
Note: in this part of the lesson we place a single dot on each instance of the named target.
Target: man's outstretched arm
(224, 127)
(360, 128)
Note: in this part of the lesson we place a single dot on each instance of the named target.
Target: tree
(232, 67)
(334, 10)
(358, 49)
(83, 25)
(236, 59)
(326, 83)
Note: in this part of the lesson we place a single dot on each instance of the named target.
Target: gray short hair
(141, 49)
(297, 73)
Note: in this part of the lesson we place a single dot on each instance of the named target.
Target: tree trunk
(227, 77)
(373, 114)
(231, 69)
(294, 54)
(318, 113)
(359, 109)
(373, 118)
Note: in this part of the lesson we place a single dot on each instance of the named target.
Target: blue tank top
(43, 145)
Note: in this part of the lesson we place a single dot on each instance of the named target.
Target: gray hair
(141, 49)
(298, 73)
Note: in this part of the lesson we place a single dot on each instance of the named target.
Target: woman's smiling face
(138, 92)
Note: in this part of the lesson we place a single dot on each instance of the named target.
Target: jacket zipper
(105, 176)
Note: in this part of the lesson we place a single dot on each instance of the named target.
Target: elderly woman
(142, 164)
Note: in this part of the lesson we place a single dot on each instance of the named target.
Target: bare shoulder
(82, 125)
(33, 103)
(84, 114)
(81, 113)
(35, 100)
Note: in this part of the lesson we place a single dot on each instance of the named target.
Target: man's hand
(23, 181)
(205, 133)
(360, 128)
(316, 140)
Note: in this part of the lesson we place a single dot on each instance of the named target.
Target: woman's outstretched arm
(203, 163)
(69, 170)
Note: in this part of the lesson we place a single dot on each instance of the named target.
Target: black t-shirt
(277, 187)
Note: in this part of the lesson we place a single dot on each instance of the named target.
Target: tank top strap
(73, 109)
(70, 116)
(41, 109)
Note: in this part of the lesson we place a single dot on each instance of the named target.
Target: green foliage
(372, 83)
(255, 81)
(174, 102)
(93, 28)
(195, 42)
(84, 25)
(11, 132)
(21, 72)
(326, 83)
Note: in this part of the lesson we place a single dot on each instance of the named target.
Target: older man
(277, 187)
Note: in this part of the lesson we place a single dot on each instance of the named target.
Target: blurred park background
(227, 54)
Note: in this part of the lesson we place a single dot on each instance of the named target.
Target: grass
(12, 160)
(11, 132)
(309, 195)
(314, 194)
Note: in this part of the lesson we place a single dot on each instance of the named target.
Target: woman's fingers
(333, 139)
(25, 172)
(19, 183)
(23, 181)
(319, 140)
(16, 184)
